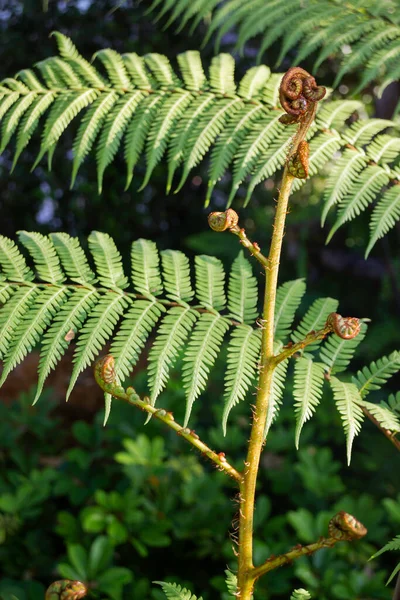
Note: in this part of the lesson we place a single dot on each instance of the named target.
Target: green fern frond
(108, 261)
(97, 330)
(300, 594)
(314, 319)
(393, 403)
(176, 275)
(385, 417)
(173, 332)
(347, 399)
(242, 291)
(73, 259)
(12, 263)
(173, 591)
(242, 362)
(43, 252)
(87, 306)
(336, 353)
(144, 106)
(394, 544)
(360, 195)
(318, 28)
(200, 355)
(307, 391)
(133, 333)
(385, 216)
(145, 268)
(288, 299)
(210, 281)
(342, 176)
(377, 373)
(231, 582)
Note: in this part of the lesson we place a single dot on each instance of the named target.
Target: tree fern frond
(393, 403)
(342, 176)
(146, 268)
(385, 215)
(95, 333)
(173, 591)
(169, 113)
(360, 195)
(115, 67)
(73, 259)
(176, 275)
(307, 391)
(347, 400)
(361, 132)
(111, 135)
(133, 333)
(173, 332)
(11, 121)
(44, 255)
(108, 261)
(205, 133)
(183, 133)
(200, 355)
(192, 70)
(243, 355)
(372, 377)
(336, 353)
(143, 103)
(90, 126)
(30, 328)
(228, 142)
(314, 319)
(17, 306)
(210, 280)
(12, 264)
(288, 300)
(84, 307)
(384, 149)
(369, 30)
(385, 417)
(242, 291)
(65, 326)
(70, 54)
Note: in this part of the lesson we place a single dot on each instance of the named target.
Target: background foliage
(81, 493)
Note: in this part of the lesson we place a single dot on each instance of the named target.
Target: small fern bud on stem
(345, 527)
(221, 221)
(346, 328)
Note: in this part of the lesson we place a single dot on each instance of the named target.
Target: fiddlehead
(66, 589)
(221, 221)
(346, 328)
(344, 526)
(298, 92)
(298, 95)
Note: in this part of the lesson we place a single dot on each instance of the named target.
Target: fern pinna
(70, 297)
(144, 106)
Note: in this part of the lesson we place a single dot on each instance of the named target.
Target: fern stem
(102, 370)
(246, 573)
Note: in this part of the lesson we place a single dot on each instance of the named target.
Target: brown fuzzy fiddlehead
(221, 221)
(66, 589)
(344, 526)
(299, 94)
(346, 328)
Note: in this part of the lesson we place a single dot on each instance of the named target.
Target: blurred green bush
(104, 505)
